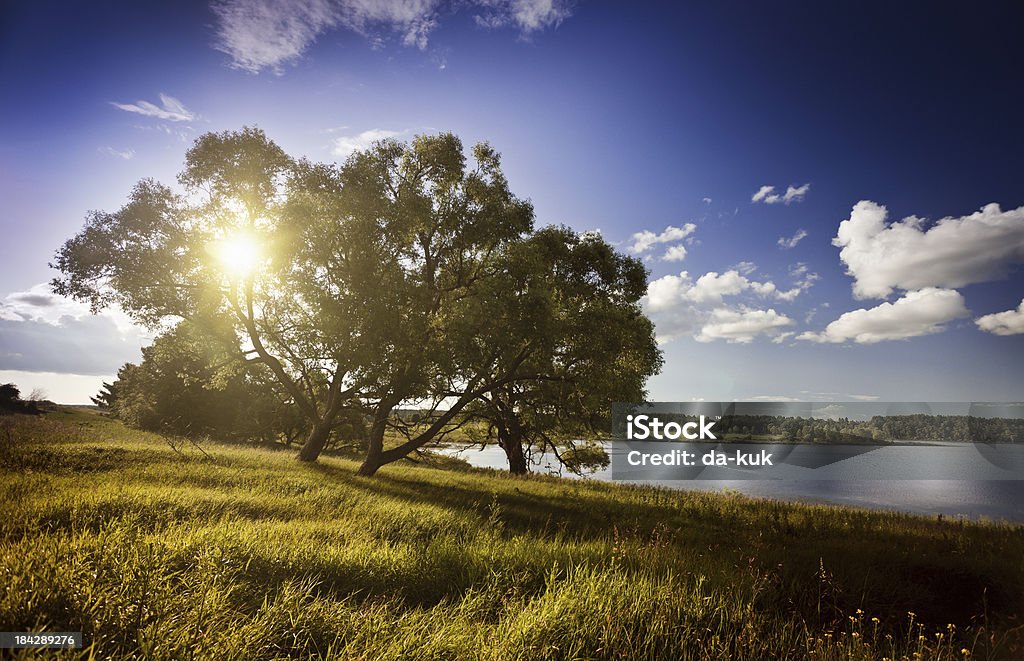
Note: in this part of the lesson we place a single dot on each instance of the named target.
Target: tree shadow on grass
(746, 533)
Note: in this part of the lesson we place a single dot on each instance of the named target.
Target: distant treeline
(11, 401)
(880, 428)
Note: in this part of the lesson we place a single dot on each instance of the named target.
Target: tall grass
(165, 552)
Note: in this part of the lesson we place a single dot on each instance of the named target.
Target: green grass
(237, 553)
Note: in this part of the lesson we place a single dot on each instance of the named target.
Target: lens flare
(238, 255)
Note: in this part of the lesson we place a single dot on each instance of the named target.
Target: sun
(238, 255)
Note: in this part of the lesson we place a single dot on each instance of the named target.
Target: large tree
(407, 275)
(341, 280)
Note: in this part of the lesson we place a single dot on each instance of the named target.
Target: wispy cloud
(791, 242)
(170, 109)
(345, 145)
(268, 34)
(526, 15)
(126, 154)
(767, 194)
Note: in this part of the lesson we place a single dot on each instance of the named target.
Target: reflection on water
(992, 499)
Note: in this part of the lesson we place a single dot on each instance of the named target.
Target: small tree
(9, 393)
(188, 384)
(106, 397)
(590, 346)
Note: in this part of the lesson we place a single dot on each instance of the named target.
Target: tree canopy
(408, 274)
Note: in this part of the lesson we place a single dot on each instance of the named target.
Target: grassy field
(232, 553)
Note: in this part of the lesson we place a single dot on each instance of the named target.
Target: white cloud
(680, 306)
(127, 154)
(668, 291)
(171, 109)
(762, 193)
(347, 144)
(260, 34)
(645, 240)
(742, 326)
(1010, 322)
(268, 34)
(711, 286)
(707, 200)
(768, 195)
(918, 313)
(674, 254)
(954, 252)
(791, 242)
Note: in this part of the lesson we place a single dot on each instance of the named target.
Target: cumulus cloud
(645, 240)
(907, 255)
(742, 326)
(345, 145)
(674, 254)
(1010, 322)
(669, 290)
(170, 109)
(268, 34)
(712, 286)
(918, 313)
(680, 305)
(791, 242)
(768, 195)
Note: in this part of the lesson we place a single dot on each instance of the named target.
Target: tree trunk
(370, 465)
(514, 451)
(315, 443)
(375, 448)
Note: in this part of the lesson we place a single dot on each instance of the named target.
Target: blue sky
(658, 124)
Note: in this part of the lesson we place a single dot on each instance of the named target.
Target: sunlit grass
(242, 553)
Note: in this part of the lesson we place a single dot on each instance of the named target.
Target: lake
(997, 499)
